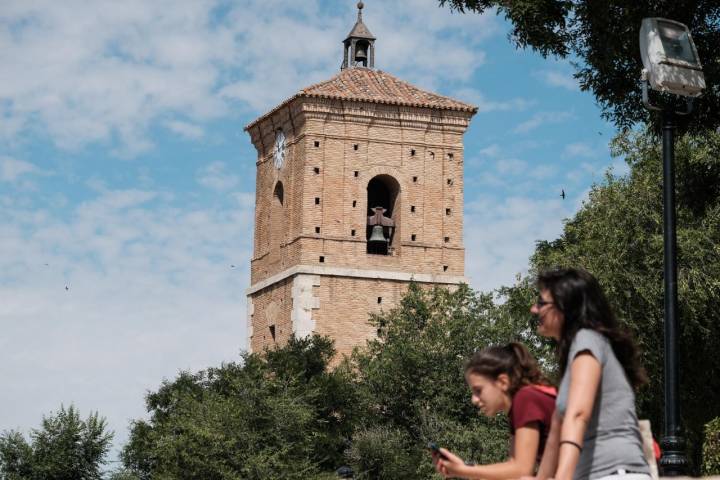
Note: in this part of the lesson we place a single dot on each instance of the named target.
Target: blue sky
(126, 176)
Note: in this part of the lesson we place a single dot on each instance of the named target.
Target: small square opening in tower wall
(448, 211)
(379, 300)
(445, 267)
(317, 200)
(451, 156)
(357, 173)
(449, 181)
(317, 229)
(316, 170)
(412, 152)
(352, 233)
(414, 179)
(355, 146)
(413, 237)
(322, 259)
(317, 144)
(412, 208)
(447, 239)
(354, 203)
(272, 332)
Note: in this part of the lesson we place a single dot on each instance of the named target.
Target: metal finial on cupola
(359, 46)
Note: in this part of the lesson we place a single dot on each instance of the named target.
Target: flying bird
(562, 193)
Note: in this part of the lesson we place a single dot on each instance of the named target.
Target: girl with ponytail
(506, 379)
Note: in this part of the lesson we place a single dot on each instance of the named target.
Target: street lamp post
(671, 65)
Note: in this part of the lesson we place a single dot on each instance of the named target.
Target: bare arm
(525, 448)
(585, 381)
(549, 461)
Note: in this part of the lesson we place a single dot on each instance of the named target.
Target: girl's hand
(448, 464)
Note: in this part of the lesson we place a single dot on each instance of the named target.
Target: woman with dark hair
(506, 379)
(594, 430)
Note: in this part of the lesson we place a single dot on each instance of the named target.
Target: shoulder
(589, 340)
(530, 395)
(531, 404)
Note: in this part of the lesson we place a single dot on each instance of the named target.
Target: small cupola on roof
(359, 46)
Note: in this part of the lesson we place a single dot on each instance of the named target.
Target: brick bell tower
(359, 190)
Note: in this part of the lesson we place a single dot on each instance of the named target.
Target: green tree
(603, 37)
(64, 448)
(280, 414)
(617, 235)
(411, 382)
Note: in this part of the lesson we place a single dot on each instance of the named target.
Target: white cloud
(540, 119)
(485, 105)
(556, 78)
(216, 177)
(491, 150)
(187, 130)
(150, 291)
(105, 71)
(579, 149)
(11, 169)
(500, 236)
(510, 166)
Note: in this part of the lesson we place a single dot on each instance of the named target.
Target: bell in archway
(377, 236)
(361, 54)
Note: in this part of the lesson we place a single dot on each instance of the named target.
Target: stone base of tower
(355, 295)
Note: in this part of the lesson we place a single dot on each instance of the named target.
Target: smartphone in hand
(432, 446)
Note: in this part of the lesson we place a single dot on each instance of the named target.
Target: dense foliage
(65, 447)
(279, 415)
(711, 448)
(617, 235)
(604, 36)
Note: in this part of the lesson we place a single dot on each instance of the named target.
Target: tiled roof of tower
(376, 86)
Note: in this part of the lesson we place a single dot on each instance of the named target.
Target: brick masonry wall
(334, 149)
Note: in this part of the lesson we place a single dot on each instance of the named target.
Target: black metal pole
(674, 461)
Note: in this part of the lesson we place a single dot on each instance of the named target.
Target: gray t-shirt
(612, 439)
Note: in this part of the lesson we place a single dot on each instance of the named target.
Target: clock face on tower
(279, 155)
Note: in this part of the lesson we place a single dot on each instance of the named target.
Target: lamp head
(670, 58)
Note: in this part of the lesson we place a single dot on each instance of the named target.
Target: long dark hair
(512, 359)
(577, 294)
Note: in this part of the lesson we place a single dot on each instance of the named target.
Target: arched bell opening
(278, 194)
(383, 198)
(362, 53)
(277, 220)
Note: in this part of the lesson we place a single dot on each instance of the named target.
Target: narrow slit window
(448, 211)
(354, 203)
(412, 152)
(413, 237)
(379, 300)
(317, 200)
(412, 208)
(272, 332)
(357, 173)
(352, 233)
(414, 179)
(355, 146)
